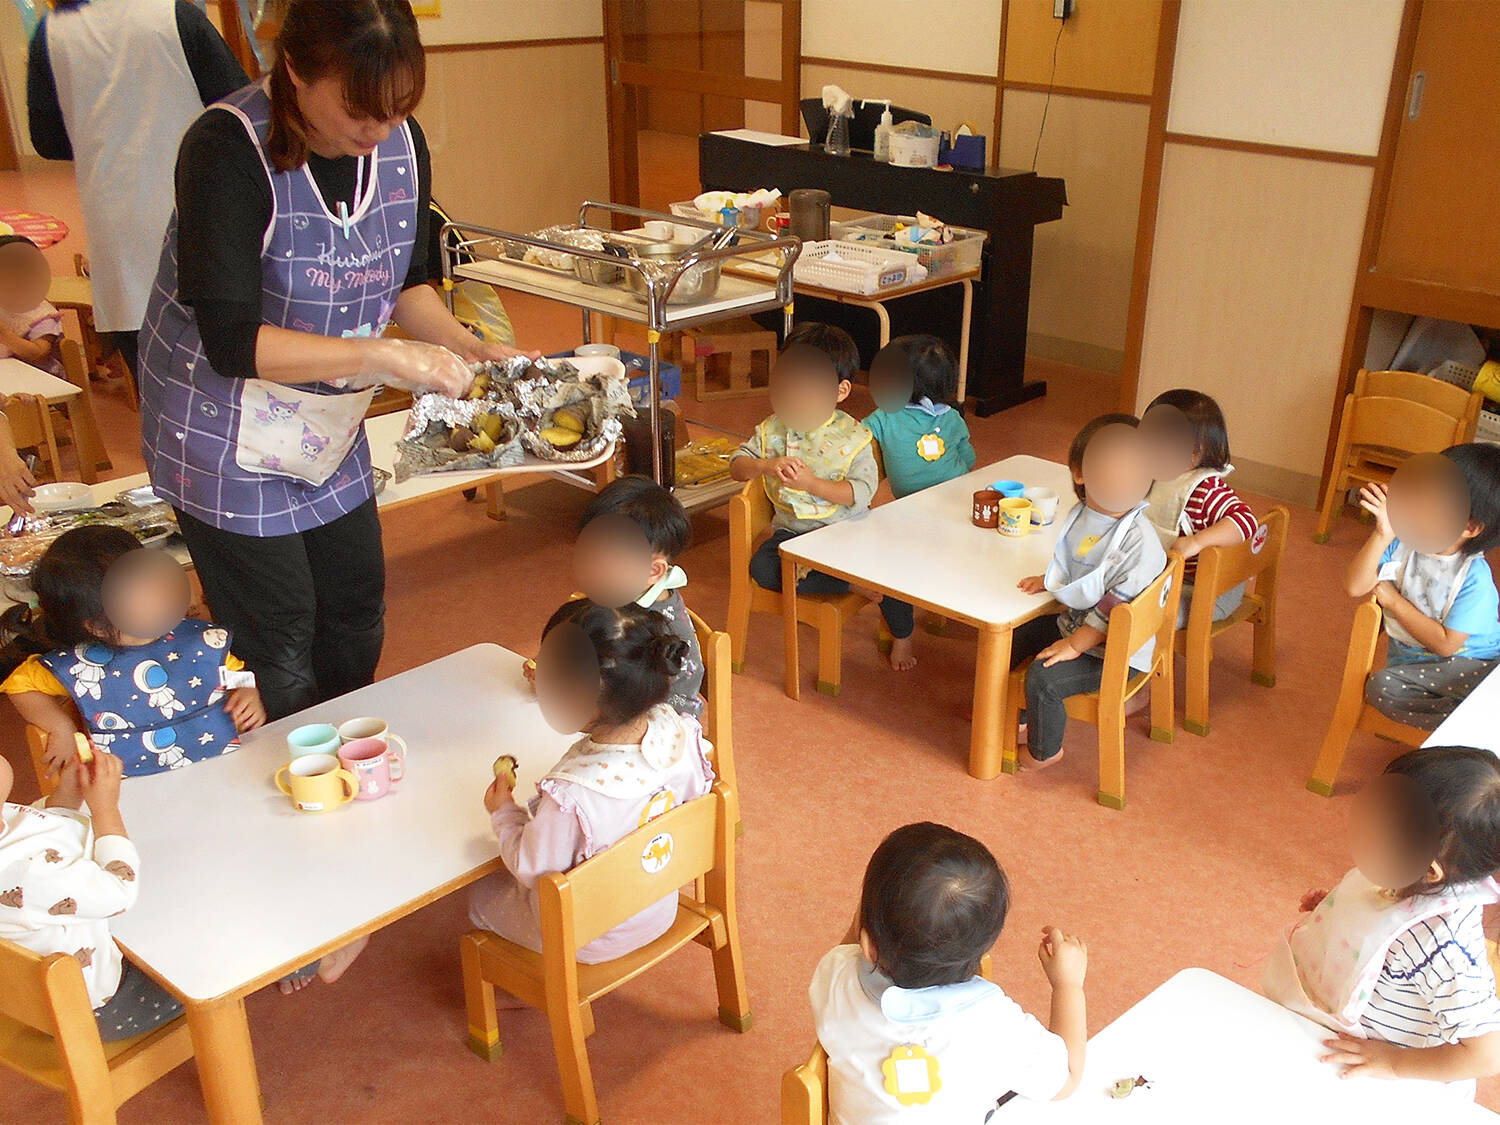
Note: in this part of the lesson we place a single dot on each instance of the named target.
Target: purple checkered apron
(249, 456)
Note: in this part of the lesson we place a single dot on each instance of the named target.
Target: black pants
(900, 617)
(128, 345)
(307, 610)
(1048, 688)
(765, 569)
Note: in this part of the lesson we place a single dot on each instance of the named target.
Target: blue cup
(1010, 489)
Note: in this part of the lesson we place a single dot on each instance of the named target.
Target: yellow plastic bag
(1487, 382)
(477, 307)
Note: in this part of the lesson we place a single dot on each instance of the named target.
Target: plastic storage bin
(851, 267)
(959, 256)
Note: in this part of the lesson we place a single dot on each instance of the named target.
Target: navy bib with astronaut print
(158, 706)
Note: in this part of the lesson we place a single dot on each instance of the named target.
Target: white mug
(368, 726)
(659, 229)
(1043, 505)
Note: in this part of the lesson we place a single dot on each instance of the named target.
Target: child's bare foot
(333, 964)
(903, 654)
(1042, 763)
(296, 982)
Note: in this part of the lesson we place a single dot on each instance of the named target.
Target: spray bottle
(883, 130)
(840, 108)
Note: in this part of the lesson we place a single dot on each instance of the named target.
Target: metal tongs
(21, 523)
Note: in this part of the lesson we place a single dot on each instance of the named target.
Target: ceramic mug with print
(1015, 517)
(368, 726)
(986, 507)
(315, 738)
(315, 783)
(373, 762)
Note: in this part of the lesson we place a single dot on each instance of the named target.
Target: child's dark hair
(829, 339)
(69, 584)
(933, 902)
(1463, 786)
(934, 371)
(638, 655)
(1210, 434)
(1480, 463)
(1086, 435)
(650, 507)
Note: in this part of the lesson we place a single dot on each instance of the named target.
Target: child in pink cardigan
(606, 672)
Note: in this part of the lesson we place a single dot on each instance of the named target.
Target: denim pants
(1047, 688)
(765, 569)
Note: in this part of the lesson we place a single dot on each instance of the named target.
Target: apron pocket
(291, 433)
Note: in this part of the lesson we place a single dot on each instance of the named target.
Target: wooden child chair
(749, 516)
(693, 840)
(1390, 416)
(31, 425)
(718, 716)
(88, 443)
(804, 1088)
(1221, 569)
(1352, 713)
(1152, 613)
(48, 1034)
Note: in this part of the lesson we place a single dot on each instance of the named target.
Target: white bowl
(65, 496)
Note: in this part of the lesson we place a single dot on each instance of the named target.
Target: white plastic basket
(1459, 374)
(852, 268)
(938, 258)
(1489, 427)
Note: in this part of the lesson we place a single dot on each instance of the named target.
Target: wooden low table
(1475, 721)
(18, 377)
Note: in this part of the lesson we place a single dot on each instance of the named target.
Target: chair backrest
(1259, 557)
(1452, 400)
(1151, 613)
(1401, 423)
(36, 744)
(31, 427)
(645, 867)
(749, 515)
(75, 367)
(718, 715)
(804, 1091)
(48, 995)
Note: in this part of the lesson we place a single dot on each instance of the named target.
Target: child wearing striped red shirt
(1191, 506)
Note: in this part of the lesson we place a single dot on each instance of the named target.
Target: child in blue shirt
(923, 440)
(1442, 611)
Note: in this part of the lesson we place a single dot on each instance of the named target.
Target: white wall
(915, 33)
(1306, 73)
(504, 21)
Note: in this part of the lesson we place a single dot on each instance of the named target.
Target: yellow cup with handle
(1015, 516)
(316, 783)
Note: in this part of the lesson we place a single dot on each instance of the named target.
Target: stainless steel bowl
(598, 273)
(698, 284)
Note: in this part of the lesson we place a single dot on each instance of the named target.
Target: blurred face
(567, 679)
(1116, 472)
(1428, 504)
(334, 129)
(24, 277)
(804, 389)
(1393, 833)
(146, 594)
(1168, 437)
(890, 383)
(613, 562)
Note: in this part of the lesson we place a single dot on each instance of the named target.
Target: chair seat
(1250, 607)
(34, 1054)
(597, 980)
(809, 606)
(1085, 705)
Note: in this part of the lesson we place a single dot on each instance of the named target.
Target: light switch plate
(1062, 9)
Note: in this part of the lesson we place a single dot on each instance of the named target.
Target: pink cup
(376, 764)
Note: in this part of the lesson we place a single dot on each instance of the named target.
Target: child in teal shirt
(923, 440)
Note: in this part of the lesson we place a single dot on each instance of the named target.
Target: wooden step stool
(729, 360)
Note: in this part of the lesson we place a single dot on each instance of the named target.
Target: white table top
(926, 549)
(236, 884)
(1475, 721)
(17, 377)
(1216, 1052)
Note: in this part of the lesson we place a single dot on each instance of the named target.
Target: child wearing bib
(1190, 505)
(1107, 552)
(817, 463)
(1441, 608)
(1393, 959)
(912, 1031)
(157, 702)
(922, 439)
(606, 672)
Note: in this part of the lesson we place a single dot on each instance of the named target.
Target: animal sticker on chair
(911, 1075)
(1258, 540)
(931, 447)
(313, 444)
(152, 679)
(88, 671)
(276, 410)
(660, 803)
(657, 853)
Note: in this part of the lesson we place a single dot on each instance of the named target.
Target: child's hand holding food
(502, 789)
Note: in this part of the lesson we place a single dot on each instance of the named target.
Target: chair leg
(739, 622)
(1010, 752)
(1195, 690)
(1331, 502)
(479, 1001)
(1335, 744)
(586, 1018)
(883, 638)
(1163, 701)
(937, 625)
(1263, 659)
(729, 981)
(1112, 760)
(830, 651)
(569, 1043)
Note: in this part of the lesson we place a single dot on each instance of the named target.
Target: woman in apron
(300, 234)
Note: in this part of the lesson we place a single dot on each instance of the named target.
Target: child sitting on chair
(63, 876)
(157, 689)
(1190, 505)
(1425, 564)
(606, 672)
(923, 440)
(1393, 959)
(912, 1031)
(816, 461)
(1107, 552)
(29, 327)
(629, 538)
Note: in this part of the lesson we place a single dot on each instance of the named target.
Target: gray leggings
(139, 1005)
(1423, 694)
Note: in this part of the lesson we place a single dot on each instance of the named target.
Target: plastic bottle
(837, 141)
(883, 130)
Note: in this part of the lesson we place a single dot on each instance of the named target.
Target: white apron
(1168, 499)
(127, 97)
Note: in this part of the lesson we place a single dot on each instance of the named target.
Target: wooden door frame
(620, 74)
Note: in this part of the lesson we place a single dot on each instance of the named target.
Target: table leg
(990, 674)
(963, 341)
(494, 497)
(789, 625)
(878, 307)
(226, 1062)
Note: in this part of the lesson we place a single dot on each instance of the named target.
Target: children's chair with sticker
(694, 840)
(1151, 613)
(718, 716)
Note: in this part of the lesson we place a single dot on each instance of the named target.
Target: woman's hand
(17, 485)
(482, 351)
(411, 365)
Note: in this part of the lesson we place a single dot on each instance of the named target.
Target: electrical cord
(1051, 78)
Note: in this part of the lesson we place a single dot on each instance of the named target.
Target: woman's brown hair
(371, 45)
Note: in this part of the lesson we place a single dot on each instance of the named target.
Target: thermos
(809, 208)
